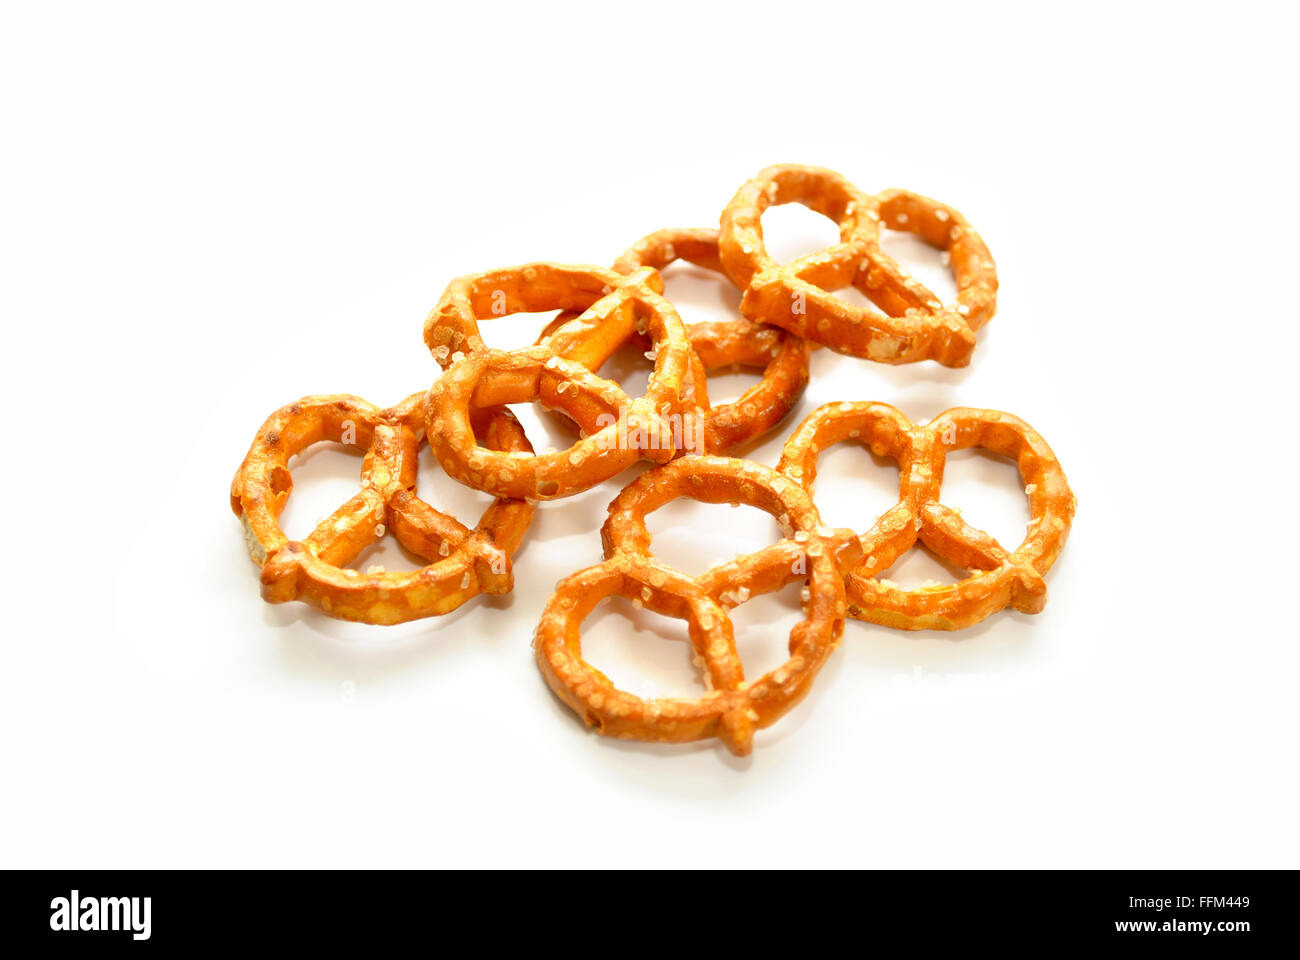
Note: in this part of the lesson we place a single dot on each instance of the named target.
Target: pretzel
(557, 372)
(783, 357)
(797, 296)
(733, 708)
(999, 578)
(462, 563)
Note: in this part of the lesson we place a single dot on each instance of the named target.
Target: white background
(209, 212)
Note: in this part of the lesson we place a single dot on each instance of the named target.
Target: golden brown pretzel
(796, 296)
(733, 708)
(462, 563)
(557, 372)
(782, 356)
(1000, 578)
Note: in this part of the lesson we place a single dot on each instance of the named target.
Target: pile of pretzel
(786, 308)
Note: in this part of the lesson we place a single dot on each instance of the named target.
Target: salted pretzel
(733, 708)
(782, 356)
(462, 563)
(999, 578)
(557, 372)
(797, 296)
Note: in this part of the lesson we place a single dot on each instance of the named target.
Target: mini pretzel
(1000, 578)
(733, 708)
(796, 296)
(783, 357)
(462, 563)
(557, 372)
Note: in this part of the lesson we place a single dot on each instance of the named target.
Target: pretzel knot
(797, 296)
(733, 708)
(999, 578)
(462, 563)
(557, 372)
(782, 356)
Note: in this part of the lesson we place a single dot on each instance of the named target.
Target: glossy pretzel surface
(999, 577)
(610, 307)
(798, 296)
(734, 707)
(781, 356)
(462, 562)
